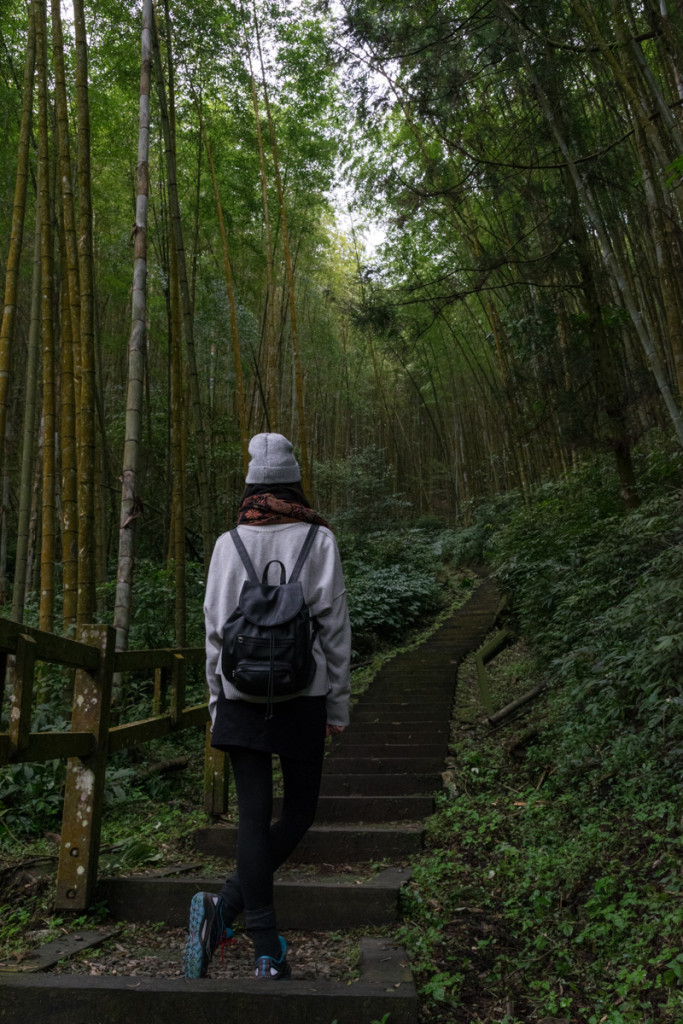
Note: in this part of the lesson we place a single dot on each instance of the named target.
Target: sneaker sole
(194, 956)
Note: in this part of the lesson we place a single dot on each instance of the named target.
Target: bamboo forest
(439, 246)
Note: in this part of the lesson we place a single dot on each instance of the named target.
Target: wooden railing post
(177, 688)
(4, 657)
(161, 678)
(22, 696)
(82, 815)
(216, 777)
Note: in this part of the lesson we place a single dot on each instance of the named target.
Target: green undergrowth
(551, 886)
(536, 898)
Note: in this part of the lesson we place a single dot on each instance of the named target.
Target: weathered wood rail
(93, 663)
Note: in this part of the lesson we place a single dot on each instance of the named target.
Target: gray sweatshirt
(324, 592)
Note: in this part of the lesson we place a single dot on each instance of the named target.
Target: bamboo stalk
(70, 337)
(298, 375)
(130, 503)
(188, 318)
(239, 381)
(85, 397)
(49, 510)
(17, 227)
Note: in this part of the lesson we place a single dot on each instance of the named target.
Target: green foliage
(385, 603)
(129, 852)
(599, 592)
(558, 879)
(360, 488)
(579, 908)
(152, 622)
(394, 581)
(31, 796)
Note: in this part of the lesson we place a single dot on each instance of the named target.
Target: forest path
(345, 878)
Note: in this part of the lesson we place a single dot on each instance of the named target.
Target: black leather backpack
(268, 640)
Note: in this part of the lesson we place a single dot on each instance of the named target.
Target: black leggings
(261, 846)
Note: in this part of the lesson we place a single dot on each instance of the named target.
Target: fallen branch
(509, 709)
(174, 764)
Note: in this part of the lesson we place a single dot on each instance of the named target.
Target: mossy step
(410, 706)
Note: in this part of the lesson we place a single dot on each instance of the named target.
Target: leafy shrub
(153, 610)
(385, 603)
(395, 579)
(31, 796)
(359, 490)
(599, 593)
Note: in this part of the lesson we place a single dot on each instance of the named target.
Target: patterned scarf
(267, 510)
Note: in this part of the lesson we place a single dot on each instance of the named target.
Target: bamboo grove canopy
(181, 270)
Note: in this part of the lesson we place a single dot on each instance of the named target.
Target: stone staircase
(378, 787)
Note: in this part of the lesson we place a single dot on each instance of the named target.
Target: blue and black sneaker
(207, 932)
(270, 968)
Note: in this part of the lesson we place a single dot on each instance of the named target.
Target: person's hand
(334, 730)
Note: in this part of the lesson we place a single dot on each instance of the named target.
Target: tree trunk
(177, 437)
(188, 316)
(271, 388)
(608, 254)
(239, 383)
(130, 502)
(17, 227)
(70, 335)
(85, 387)
(28, 451)
(49, 511)
(298, 376)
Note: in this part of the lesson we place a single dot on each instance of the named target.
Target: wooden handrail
(148, 660)
(91, 741)
(57, 650)
(133, 733)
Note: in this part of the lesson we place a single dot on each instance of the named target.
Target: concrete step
(437, 711)
(357, 748)
(388, 785)
(385, 990)
(412, 693)
(433, 688)
(399, 714)
(395, 732)
(405, 733)
(313, 903)
(329, 844)
(371, 809)
(384, 765)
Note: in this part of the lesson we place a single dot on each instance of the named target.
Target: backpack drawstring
(271, 679)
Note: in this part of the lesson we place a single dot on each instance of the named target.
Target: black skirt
(297, 728)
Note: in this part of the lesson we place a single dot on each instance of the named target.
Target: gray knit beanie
(272, 461)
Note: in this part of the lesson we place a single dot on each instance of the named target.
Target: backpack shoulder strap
(303, 554)
(242, 552)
